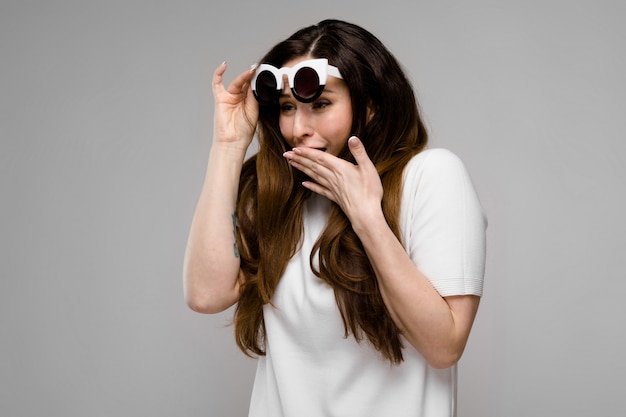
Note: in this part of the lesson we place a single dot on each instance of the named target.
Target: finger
(358, 151)
(241, 83)
(305, 167)
(310, 161)
(318, 189)
(218, 75)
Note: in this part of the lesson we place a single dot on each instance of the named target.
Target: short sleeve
(443, 223)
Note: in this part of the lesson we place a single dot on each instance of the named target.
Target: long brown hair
(271, 198)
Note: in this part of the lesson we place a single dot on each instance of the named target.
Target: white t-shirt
(311, 369)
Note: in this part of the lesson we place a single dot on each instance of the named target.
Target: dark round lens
(306, 84)
(266, 88)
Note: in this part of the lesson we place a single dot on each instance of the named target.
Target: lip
(321, 148)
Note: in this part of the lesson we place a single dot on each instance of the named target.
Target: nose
(302, 126)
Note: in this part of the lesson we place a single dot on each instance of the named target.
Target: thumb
(358, 150)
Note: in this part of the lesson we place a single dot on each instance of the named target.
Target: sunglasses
(307, 80)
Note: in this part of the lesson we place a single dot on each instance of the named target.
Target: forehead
(296, 61)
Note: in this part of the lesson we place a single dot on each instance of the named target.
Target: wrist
(224, 164)
(368, 222)
(229, 149)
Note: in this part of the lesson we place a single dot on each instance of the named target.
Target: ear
(370, 111)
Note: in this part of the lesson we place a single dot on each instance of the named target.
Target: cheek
(340, 126)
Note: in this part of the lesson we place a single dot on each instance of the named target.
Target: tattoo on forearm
(234, 218)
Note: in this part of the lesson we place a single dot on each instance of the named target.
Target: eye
(321, 104)
(286, 107)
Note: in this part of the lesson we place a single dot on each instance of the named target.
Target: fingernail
(253, 67)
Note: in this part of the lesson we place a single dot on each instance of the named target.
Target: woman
(354, 255)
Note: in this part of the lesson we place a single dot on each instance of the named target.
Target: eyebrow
(326, 90)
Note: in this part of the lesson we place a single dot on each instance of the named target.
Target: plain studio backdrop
(105, 125)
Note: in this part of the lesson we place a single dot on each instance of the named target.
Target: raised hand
(236, 109)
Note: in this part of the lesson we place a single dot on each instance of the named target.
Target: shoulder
(435, 159)
(435, 166)
(438, 179)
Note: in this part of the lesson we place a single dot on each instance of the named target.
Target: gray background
(105, 124)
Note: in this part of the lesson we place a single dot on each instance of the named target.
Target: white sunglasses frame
(319, 65)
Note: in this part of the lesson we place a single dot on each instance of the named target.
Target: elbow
(444, 360)
(208, 304)
(201, 304)
(206, 296)
(443, 357)
(207, 301)
(440, 356)
(441, 353)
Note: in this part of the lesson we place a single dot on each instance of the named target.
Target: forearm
(211, 265)
(435, 327)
